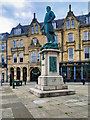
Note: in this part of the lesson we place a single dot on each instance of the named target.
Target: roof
(59, 22)
(82, 18)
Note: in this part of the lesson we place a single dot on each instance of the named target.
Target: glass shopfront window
(78, 72)
(86, 72)
(71, 72)
(64, 72)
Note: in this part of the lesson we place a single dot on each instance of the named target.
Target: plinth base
(52, 93)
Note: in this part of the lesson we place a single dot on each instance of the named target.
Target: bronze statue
(47, 26)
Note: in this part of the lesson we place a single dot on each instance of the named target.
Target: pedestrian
(83, 81)
(10, 80)
(25, 80)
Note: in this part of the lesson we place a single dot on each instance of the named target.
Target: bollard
(13, 86)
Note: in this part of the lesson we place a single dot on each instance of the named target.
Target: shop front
(75, 71)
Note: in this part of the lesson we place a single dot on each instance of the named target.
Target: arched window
(14, 44)
(15, 58)
(21, 57)
(21, 42)
(32, 30)
(36, 29)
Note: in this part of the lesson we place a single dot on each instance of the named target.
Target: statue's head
(48, 8)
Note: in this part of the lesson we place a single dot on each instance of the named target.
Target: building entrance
(24, 73)
(34, 74)
(12, 73)
(18, 73)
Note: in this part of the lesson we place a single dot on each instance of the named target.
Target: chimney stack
(69, 7)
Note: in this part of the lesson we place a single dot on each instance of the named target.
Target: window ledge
(70, 42)
(70, 28)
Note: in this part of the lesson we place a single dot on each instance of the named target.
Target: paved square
(20, 103)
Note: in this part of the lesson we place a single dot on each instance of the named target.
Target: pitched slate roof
(82, 19)
(59, 22)
(24, 28)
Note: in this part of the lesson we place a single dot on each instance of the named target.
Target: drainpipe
(6, 61)
(79, 46)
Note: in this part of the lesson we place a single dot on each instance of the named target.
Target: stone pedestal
(50, 83)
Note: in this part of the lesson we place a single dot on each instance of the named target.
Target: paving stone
(7, 113)
(39, 101)
(8, 96)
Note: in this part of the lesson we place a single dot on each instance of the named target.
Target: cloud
(13, 12)
(13, 3)
(6, 24)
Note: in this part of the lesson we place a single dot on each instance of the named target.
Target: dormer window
(34, 41)
(32, 30)
(2, 36)
(54, 25)
(68, 24)
(36, 29)
(72, 23)
(87, 20)
(17, 31)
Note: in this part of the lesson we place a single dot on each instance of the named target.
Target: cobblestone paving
(20, 103)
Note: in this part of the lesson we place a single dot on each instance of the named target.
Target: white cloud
(14, 3)
(6, 24)
(21, 12)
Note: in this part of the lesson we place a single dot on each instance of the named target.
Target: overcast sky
(13, 12)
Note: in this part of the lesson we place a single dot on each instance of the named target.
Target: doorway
(18, 73)
(34, 74)
(24, 73)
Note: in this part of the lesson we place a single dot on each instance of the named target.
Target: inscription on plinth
(53, 64)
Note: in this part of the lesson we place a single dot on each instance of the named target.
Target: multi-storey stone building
(3, 57)
(73, 37)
